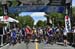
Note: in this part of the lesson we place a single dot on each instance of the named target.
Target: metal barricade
(74, 38)
(71, 38)
(1, 40)
(4, 39)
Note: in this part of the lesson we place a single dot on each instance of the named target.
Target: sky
(73, 2)
(38, 15)
(35, 15)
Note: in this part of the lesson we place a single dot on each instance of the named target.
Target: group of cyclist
(27, 34)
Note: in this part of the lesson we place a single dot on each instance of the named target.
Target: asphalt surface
(32, 46)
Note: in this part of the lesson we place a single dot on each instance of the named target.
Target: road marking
(36, 43)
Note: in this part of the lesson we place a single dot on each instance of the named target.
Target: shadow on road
(27, 47)
(61, 44)
(73, 45)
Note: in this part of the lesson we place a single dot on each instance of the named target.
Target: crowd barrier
(71, 38)
(3, 40)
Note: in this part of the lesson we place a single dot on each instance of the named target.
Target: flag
(67, 24)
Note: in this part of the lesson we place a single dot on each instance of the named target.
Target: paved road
(32, 46)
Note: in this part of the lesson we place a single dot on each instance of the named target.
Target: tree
(73, 11)
(26, 20)
(73, 16)
(45, 23)
(1, 11)
(40, 23)
(12, 3)
(56, 17)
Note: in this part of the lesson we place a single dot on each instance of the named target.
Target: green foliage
(25, 20)
(58, 17)
(41, 23)
(1, 12)
(73, 16)
(55, 15)
(73, 11)
(14, 3)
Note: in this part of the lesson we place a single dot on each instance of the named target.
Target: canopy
(9, 19)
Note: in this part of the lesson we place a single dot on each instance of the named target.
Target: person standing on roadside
(65, 37)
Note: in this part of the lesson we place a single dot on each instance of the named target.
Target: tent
(9, 19)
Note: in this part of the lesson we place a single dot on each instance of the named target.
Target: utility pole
(68, 20)
(68, 6)
(5, 13)
(4, 7)
(48, 19)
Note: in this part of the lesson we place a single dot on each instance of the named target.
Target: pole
(53, 24)
(5, 12)
(68, 13)
(1, 40)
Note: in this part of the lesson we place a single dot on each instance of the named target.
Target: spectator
(65, 37)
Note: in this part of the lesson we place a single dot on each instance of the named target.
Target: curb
(5, 45)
